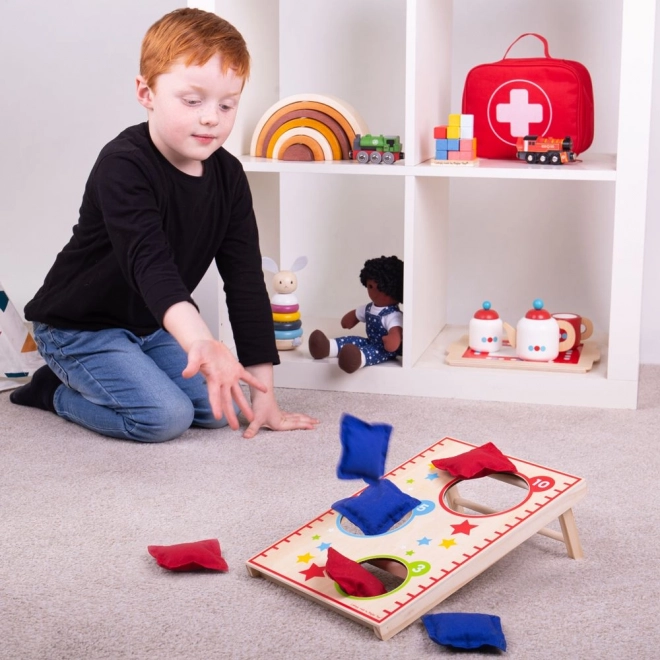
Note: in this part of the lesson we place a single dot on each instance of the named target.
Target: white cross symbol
(519, 112)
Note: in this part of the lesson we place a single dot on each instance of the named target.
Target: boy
(128, 354)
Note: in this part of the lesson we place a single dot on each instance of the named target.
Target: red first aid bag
(541, 96)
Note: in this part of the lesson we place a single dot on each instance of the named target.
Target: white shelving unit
(339, 213)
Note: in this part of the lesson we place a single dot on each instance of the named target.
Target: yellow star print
(447, 543)
(303, 559)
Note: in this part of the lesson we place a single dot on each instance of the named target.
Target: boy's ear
(143, 93)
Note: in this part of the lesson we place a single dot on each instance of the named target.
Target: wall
(68, 88)
(650, 353)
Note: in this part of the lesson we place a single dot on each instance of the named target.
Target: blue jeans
(125, 386)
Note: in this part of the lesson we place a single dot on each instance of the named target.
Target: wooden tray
(579, 360)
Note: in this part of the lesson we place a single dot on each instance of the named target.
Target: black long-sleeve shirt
(146, 235)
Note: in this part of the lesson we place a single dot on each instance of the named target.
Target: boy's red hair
(193, 36)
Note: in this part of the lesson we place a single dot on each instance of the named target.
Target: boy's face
(191, 112)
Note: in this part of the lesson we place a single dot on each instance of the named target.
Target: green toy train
(377, 149)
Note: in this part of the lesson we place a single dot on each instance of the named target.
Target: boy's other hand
(267, 413)
(270, 416)
(223, 374)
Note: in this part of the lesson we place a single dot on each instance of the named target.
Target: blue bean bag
(364, 449)
(465, 631)
(377, 508)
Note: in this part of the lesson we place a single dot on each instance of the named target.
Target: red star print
(463, 528)
(313, 571)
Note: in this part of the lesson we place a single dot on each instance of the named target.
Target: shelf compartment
(256, 164)
(432, 377)
(593, 167)
(409, 87)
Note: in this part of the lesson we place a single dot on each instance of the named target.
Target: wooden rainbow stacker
(439, 547)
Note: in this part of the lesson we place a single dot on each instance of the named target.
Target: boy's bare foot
(350, 358)
(39, 392)
(319, 345)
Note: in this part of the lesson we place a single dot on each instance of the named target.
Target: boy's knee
(166, 422)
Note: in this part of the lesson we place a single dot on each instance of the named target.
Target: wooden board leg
(452, 497)
(570, 533)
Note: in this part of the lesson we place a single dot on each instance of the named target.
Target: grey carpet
(78, 511)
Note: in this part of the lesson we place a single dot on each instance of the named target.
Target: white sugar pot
(537, 335)
(485, 330)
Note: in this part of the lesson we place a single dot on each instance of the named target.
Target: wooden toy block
(331, 121)
(285, 318)
(460, 128)
(301, 135)
(286, 344)
(288, 334)
(330, 118)
(287, 323)
(306, 126)
(433, 551)
(300, 150)
(298, 147)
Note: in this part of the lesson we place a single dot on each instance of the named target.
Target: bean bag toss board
(435, 549)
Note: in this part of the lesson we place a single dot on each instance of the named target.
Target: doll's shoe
(350, 358)
(319, 345)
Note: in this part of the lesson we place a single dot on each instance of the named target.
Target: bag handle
(530, 34)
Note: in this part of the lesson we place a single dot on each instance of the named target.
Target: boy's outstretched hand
(223, 374)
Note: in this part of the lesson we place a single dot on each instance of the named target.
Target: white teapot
(536, 336)
(485, 330)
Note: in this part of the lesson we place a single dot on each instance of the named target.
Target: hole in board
(390, 572)
(487, 495)
(353, 529)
